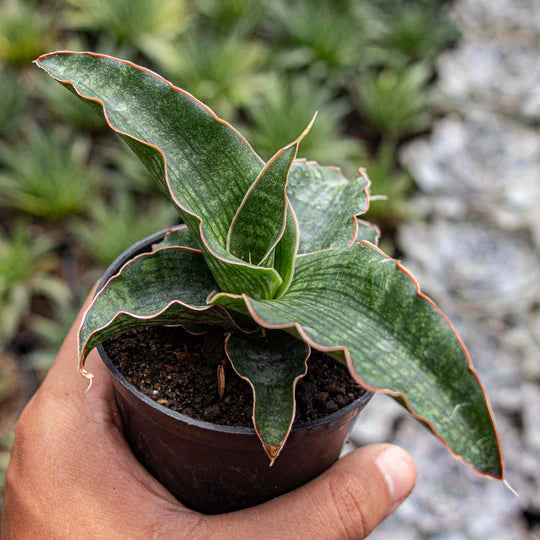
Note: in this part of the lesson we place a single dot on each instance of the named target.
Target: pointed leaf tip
(260, 220)
(183, 143)
(307, 130)
(272, 365)
(393, 338)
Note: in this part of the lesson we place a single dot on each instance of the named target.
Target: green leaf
(363, 308)
(326, 204)
(367, 231)
(165, 287)
(272, 365)
(178, 237)
(204, 164)
(182, 236)
(260, 220)
(286, 250)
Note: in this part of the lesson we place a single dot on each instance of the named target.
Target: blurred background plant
(25, 31)
(71, 195)
(394, 103)
(283, 108)
(27, 267)
(115, 226)
(221, 70)
(12, 103)
(47, 175)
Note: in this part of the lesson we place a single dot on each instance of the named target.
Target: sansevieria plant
(275, 253)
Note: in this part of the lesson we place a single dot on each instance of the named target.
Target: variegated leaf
(360, 306)
(272, 365)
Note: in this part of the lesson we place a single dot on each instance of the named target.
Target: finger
(347, 501)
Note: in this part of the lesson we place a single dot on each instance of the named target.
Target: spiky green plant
(25, 31)
(221, 70)
(394, 103)
(326, 37)
(69, 108)
(26, 269)
(389, 185)
(273, 246)
(12, 102)
(284, 106)
(47, 176)
(125, 172)
(414, 32)
(222, 16)
(135, 22)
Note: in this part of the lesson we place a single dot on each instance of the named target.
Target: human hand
(72, 475)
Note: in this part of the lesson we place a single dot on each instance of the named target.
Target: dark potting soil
(179, 370)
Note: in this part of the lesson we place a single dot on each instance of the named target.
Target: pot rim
(140, 247)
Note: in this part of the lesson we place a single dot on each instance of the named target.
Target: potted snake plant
(275, 256)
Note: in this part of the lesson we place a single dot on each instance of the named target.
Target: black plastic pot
(213, 468)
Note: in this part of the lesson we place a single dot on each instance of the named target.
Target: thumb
(347, 501)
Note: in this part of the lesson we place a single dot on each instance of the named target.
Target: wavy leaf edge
(236, 262)
(246, 299)
(346, 353)
(272, 451)
(82, 347)
(372, 226)
(367, 193)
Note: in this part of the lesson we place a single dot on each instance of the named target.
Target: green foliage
(323, 36)
(11, 104)
(389, 185)
(134, 22)
(394, 103)
(25, 31)
(115, 227)
(222, 16)
(414, 32)
(222, 71)
(69, 108)
(284, 106)
(49, 176)
(253, 264)
(124, 172)
(26, 269)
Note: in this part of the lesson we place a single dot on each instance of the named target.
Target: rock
(330, 406)
(486, 166)
(211, 412)
(478, 177)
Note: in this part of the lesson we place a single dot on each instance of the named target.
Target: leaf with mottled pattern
(260, 219)
(341, 295)
(191, 152)
(367, 231)
(326, 204)
(168, 286)
(358, 305)
(272, 365)
(177, 237)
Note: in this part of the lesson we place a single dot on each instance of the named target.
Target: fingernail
(398, 470)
